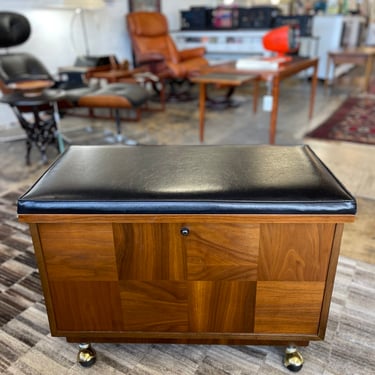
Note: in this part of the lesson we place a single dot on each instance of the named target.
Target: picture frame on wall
(144, 5)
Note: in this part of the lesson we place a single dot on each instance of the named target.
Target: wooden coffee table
(363, 56)
(222, 79)
(274, 77)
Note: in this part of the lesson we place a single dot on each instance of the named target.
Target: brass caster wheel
(86, 355)
(293, 359)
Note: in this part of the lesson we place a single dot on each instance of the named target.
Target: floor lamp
(81, 6)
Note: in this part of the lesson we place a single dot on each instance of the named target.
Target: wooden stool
(363, 56)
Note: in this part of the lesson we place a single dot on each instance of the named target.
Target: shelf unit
(222, 44)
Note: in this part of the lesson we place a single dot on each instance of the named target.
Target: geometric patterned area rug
(26, 346)
(353, 121)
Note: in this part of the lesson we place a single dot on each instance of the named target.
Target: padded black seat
(188, 180)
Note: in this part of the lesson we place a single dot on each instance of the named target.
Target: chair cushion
(187, 68)
(156, 24)
(188, 179)
(115, 95)
(15, 67)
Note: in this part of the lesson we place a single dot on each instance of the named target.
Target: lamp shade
(77, 4)
(282, 40)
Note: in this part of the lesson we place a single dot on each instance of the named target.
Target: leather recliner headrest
(14, 29)
(147, 24)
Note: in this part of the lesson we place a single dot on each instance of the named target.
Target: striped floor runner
(26, 346)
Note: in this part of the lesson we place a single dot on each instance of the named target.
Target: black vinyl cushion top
(187, 179)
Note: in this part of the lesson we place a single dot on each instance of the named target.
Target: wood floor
(352, 163)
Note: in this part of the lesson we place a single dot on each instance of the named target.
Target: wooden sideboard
(136, 265)
(222, 44)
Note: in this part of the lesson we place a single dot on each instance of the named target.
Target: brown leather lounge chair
(154, 47)
(24, 80)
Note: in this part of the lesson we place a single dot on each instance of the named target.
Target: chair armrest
(190, 53)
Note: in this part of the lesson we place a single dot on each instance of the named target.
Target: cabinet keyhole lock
(184, 231)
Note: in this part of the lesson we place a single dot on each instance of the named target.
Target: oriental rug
(353, 121)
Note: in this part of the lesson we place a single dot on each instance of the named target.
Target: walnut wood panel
(154, 306)
(288, 307)
(210, 252)
(78, 251)
(198, 339)
(86, 306)
(149, 252)
(234, 277)
(295, 252)
(34, 229)
(330, 279)
(222, 251)
(221, 306)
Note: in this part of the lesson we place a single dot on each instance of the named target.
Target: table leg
(314, 81)
(275, 104)
(326, 81)
(202, 106)
(255, 95)
(56, 115)
(39, 132)
(162, 94)
(368, 71)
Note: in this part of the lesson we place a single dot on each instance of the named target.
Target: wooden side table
(222, 79)
(33, 97)
(363, 56)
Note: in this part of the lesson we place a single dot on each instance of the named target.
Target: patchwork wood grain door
(186, 277)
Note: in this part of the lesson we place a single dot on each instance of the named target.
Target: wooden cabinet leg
(293, 359)
(86, 355)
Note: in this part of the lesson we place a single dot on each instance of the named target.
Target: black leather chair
(20, 67)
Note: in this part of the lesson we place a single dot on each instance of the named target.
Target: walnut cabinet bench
(188, 244)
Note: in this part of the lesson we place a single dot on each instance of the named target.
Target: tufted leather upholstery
(188, 179)
(152, 45)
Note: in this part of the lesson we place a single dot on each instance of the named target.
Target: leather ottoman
(188, 244)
